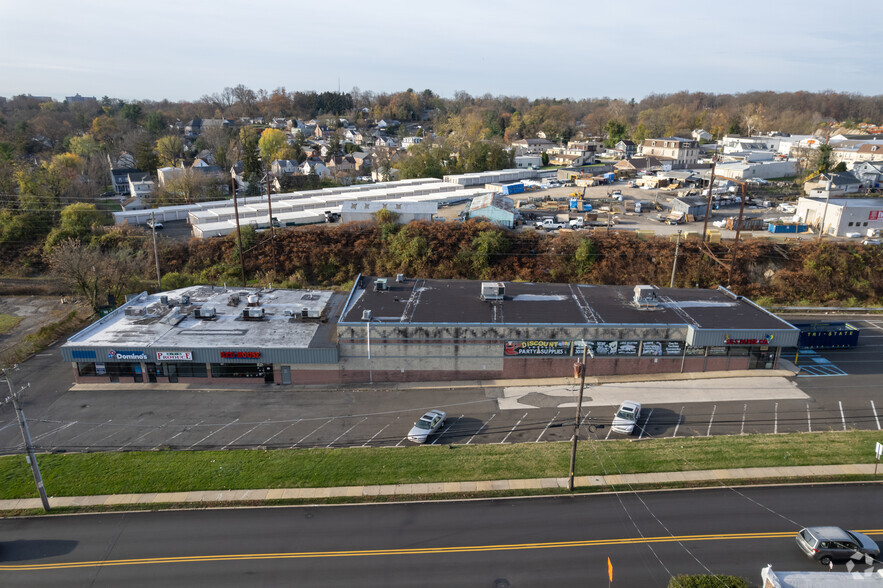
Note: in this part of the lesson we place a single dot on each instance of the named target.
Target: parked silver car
(826, 544)
(626, 417)
(428, 424)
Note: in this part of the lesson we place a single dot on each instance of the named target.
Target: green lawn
(171, 471)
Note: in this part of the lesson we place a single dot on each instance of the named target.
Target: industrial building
(406, 329)
(841, 216)
(495, 208)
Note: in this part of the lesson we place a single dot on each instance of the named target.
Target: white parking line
(87, 430)
(513, 428)
(744, 411)
(244, 434)
(776, 419)
(212, 433)
(298, 442)
(483, 425)
(276, 434)
(7, 425)
(808, 418)
(377, 433)
(547, 427)
(53, 431)
(644, 428)
(582, 422)
(710, 421)
(876, 418)
(139, 438)
(186, 428)
(842, 416)
(347, 431)
(443, 431)
(678, 424)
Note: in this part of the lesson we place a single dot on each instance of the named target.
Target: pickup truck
(549, 224)
(577, 223)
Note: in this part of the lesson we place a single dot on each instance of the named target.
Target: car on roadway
(426, 425)
(155, 225)
(826, 544)
(872, 242)
(626, 417)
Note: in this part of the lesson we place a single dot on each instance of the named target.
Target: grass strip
(9, 322)
(180, 471)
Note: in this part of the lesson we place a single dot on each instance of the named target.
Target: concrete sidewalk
(415, 491)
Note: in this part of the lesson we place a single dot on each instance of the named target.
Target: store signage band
(240, 354)
(524, 348)
(174, 356)
(125, 355)
(765, 341)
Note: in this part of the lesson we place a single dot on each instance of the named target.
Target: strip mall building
(402, 329)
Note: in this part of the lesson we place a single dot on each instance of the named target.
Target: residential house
(284, 167)
(278, 123)
(841, 183)
(206, 156)
(322, 132)
(382, 124)
(532, 145)
(315, 166)
(140, 186)
(125, 160)
(529, 161)
(701, 135)
(195, 127)
(341, 164)
(354, 136)
(630, 167)
(120, 178)
(869, 173)
(133, 203)
(411, 141)
(363, 160)
(387, 142)
(626, 149)
(165, 174)
(677, 152)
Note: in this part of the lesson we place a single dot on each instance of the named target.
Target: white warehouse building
(840, 216)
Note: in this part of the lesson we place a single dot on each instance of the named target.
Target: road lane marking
(547, 426)
(842, 416)
(710, 421)
(513, 428)
(809, 420)
(876, 418)
(483, 425)
(347, 431)
(678, 424)
(212, 433)
(406, 551)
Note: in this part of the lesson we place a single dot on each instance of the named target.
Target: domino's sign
(125, 355)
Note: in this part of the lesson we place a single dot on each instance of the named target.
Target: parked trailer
(827, 335)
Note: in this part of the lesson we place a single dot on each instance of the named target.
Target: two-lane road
(518, 542)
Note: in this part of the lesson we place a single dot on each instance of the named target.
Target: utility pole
(270, 211)
(238, 232)
(579, 406)
(26, 436)
(736, 243)
(674, 265)
(825, 210)
(155, 252)
(708, 206)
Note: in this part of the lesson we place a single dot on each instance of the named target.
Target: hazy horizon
(181, 52)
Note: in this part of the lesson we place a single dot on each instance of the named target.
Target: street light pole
(238, 231)
(579, 405)
(825, 210)
(674, 265)
(270, 212)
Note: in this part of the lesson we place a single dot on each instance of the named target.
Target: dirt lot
(36, 312)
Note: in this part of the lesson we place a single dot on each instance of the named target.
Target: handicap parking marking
(814, 371)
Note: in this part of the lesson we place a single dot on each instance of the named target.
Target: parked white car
(626, 417)
(428, 424)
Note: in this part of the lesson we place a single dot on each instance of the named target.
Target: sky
(183, 50)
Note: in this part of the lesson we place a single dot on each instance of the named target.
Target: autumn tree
(271, 142)
(169, 150)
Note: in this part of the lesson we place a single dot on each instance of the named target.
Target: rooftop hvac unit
(311, 313)
(366, 315)
(400, 278)
(492, 290)
(185, 300)
(164, 299)
(287, 312)
(380, 285)
(253, 299)
(135, 311)
(646, 297)
(206, 312)
(253, 313)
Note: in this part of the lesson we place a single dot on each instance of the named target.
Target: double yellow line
(418, 551)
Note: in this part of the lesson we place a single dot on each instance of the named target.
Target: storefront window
(86, 369)
(185, 369)
(238, 370)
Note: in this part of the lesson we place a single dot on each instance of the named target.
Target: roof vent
(645, 297)
(492, 290)
(253, 299)
(233, 300)
(185, 299)
(400, 278)
(287, 312)
(380, 284)
(164, 300)
(366, 315)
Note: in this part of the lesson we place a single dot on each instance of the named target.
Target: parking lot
(835, 390)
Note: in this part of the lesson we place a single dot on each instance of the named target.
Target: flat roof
(421, 301)
(148, 322)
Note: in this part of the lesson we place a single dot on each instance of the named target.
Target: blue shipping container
(610, 176)
(772, 228)
(513, 189)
